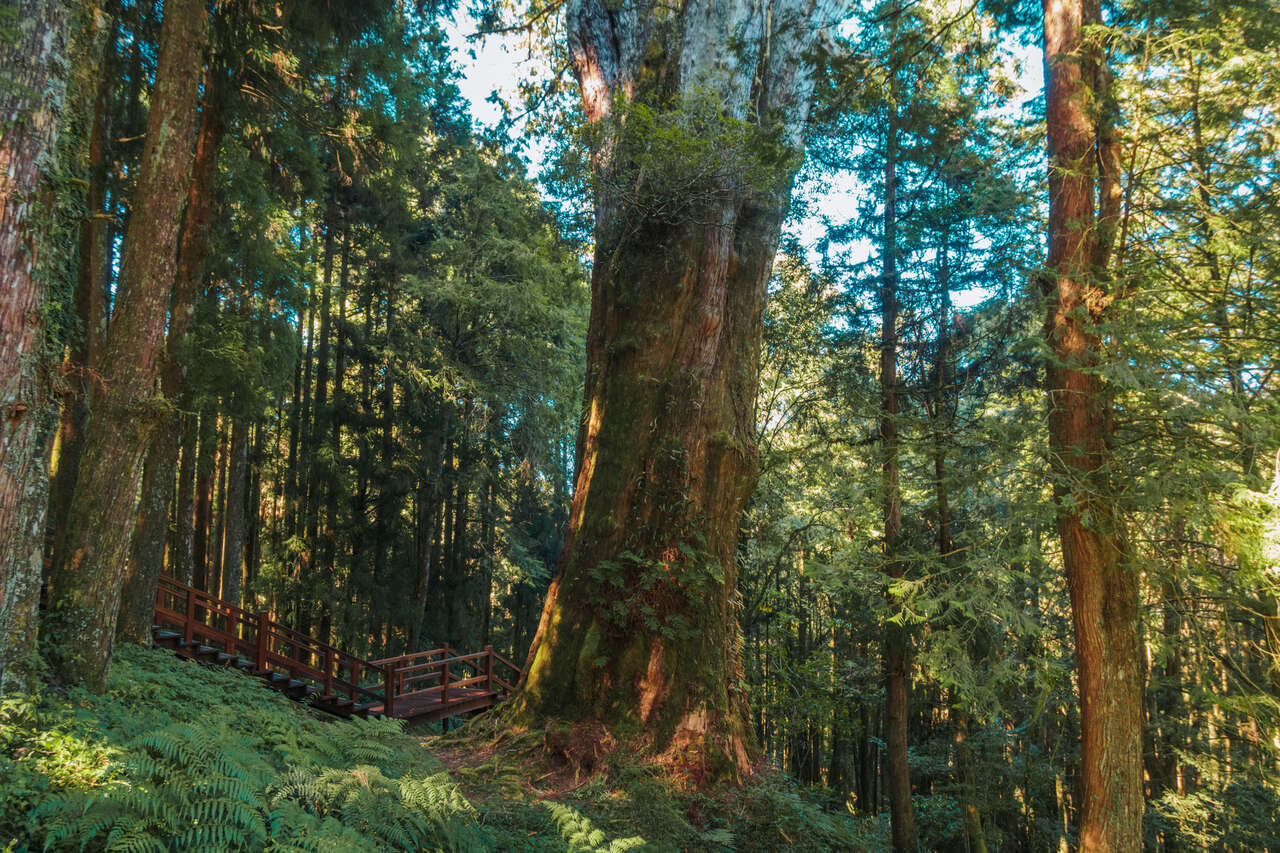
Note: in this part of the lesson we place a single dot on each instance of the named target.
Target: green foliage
(673, 164)
(177, 756)
(583, 837)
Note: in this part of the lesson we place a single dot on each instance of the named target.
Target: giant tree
(697, 115)
(33, 49)
(1084, 202)
(89, 569)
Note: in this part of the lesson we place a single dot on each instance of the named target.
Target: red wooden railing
(420, 683)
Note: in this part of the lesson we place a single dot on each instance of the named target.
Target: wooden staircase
(428, 685)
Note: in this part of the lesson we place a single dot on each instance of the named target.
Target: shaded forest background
(367, 425)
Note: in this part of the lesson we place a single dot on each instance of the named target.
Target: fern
(583, 837)
(182, 758)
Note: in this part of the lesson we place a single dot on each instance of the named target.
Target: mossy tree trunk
(32, 53)
(638, 641)
(89, 570)
(146, 556)
(1084, 199)
(91, 276)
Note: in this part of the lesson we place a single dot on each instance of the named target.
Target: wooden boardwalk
(429, 685)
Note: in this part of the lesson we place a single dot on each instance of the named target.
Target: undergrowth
(632, 807)
(183, 757)
(177, 756)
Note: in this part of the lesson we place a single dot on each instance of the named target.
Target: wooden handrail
(500, 659)
(401, 658)
(204, 619)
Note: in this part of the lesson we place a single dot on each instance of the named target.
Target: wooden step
(300, 689)
(167, 639)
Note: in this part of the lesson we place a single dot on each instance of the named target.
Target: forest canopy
(846, 425)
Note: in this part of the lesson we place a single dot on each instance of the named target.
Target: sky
(494, 64)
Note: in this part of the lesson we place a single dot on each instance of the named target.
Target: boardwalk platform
(427, 685)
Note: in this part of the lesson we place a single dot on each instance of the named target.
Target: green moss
(630, 800)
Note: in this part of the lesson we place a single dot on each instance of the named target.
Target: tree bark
(1083, 198)
(638, 640)
(91, 294)
(31, 58)
(85, 587)
(205, 470)
(146, 558)
(901, 812)
(233, 526)
(219, 511)
(182, 555)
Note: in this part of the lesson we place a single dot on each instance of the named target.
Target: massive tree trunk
(31, 58)
(85, 587)
(146, 557)
(638, 639)
(1083, 199)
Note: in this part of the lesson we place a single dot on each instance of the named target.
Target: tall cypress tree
(1084, 204)
(89, 572)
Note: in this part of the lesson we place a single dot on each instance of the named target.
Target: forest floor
(182, 756)
(508, 776)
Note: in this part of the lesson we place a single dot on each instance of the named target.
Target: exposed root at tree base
(549, 762)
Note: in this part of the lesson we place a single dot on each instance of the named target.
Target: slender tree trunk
(31, 59)
(219, 511)
(333, 436)
(146, 559)
(429, 510)
(488, 534)
(1083, 198)
(91, 296)
(146, 556)
(233, 536)
(253, 512)
(945, 401)
(295, 428)
(456, 578)
(206, 459)
(901, 812)
(306, 429)
(182, 555)
(320, 475)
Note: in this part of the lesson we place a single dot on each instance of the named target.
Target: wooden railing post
(388, 688)
(188, 622)
(355, 681)
(488, 668)
(444, 684)
(263, 639)
(328, 671)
